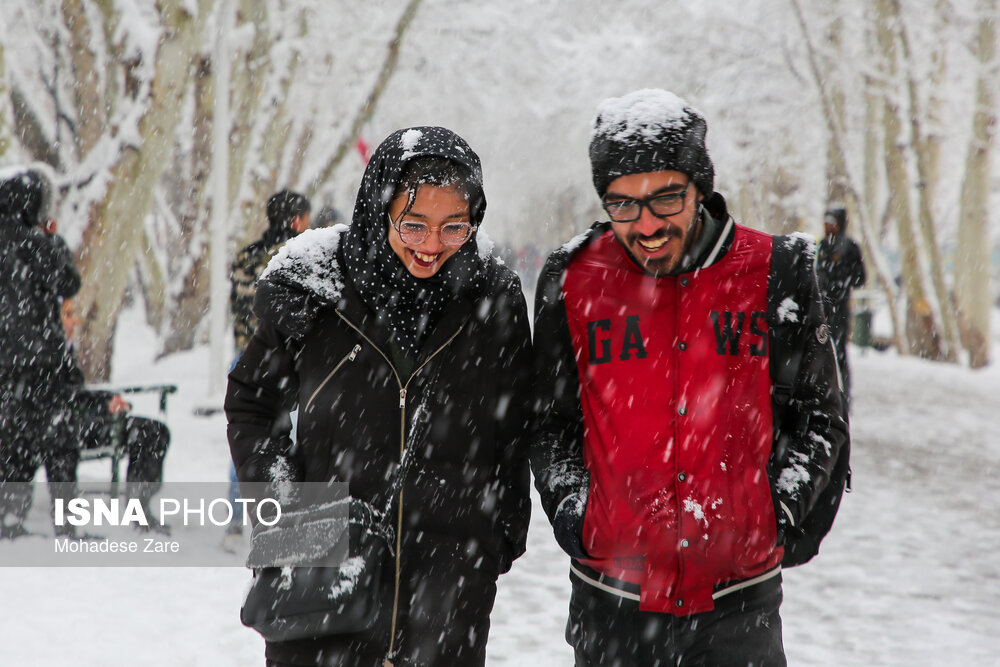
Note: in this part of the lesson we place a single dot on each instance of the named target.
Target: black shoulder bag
(300, 602)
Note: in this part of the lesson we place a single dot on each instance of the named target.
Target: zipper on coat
(402, 449)
(350, 357)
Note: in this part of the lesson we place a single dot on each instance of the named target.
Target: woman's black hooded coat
(465, 503)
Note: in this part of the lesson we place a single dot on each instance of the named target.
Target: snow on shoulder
(310, 261)
(641, 116)
(808, 241)
(571, 246)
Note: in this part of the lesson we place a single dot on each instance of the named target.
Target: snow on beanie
(649, 130)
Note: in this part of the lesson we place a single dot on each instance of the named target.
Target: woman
(403, 314)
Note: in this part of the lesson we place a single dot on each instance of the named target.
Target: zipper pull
(402, 398)
(354, 352)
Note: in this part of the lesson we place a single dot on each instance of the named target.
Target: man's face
(830, 226)
(69, 319)
(656, 244)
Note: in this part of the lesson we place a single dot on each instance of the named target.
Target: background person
(36, 271)
(94, 415)
(287, 216)
(656, 456)
(401, 319)
(839, 269)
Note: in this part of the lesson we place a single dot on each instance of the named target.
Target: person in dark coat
(36, 271)
(287, 215)
(94, 415)
(664, 339)
(403, 318)
(839, 269)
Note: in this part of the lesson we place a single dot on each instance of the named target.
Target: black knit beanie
(838, 216)
(284, 206)
(649, 130)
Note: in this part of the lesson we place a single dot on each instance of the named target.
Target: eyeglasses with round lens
(662, 206)
(414, 232)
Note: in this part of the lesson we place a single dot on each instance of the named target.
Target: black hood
(388, 162)
(408, 306)
(24, 197)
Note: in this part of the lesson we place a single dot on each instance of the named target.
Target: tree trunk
(927, 148)
(836, 179)
(870, 239)
(87, 99)
(6, 113)
(972, 267)
(114, 235)
(189, 305)
(153, 284)
(921, 328)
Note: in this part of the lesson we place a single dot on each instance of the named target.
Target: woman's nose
(432, 244)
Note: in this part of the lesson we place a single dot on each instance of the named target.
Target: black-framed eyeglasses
(662, 206)
(414, 232)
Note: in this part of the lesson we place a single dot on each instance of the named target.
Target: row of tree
(118, 98)
(897, 185)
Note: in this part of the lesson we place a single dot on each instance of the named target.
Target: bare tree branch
(368, 107)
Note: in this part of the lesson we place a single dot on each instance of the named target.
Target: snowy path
(909, 576)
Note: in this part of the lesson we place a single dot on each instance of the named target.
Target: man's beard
(668, 264)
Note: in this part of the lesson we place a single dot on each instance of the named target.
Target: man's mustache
(663, 232)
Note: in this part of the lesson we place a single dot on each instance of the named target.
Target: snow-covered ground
(909, 576)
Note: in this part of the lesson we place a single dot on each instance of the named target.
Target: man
(94, 415)
(658, 457)
(36, 271)
(839, 269)
(287, 216)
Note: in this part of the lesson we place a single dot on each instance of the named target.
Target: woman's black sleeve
(262, 391)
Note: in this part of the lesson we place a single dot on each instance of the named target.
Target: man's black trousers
(606, 630)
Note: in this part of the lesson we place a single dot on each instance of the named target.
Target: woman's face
(435, 207)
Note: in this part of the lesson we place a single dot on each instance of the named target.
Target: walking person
(658, 457)
(288, 215)
(36, 272)
(403, 316)
(839, 269)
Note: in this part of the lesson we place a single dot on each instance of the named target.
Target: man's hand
(117, 404)
(567, 524)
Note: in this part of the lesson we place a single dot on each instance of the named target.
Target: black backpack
(802, 542)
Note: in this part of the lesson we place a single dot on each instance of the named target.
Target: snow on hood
(309, 261)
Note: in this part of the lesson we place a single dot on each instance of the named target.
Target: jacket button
(685, 544)
(684, 283)
(680, 603)
(682, 346)
(682, 411)
(681, 476)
